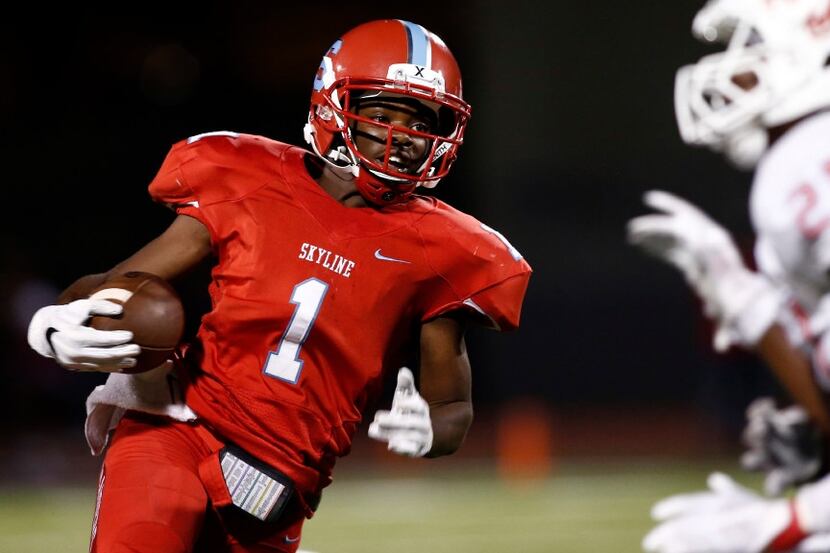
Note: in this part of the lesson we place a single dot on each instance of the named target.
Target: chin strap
(370, 186)
(375, 191)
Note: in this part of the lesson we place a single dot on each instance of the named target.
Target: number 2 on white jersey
(285, 362)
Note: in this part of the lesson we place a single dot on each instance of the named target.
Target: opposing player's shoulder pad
(797, 164)
(482, 270)
(790, 197)
(216, 166)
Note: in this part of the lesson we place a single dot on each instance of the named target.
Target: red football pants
(151, 498)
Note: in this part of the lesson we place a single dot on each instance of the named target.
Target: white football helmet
(774, 70)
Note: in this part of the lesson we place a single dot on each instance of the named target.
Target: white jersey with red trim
(790, 210)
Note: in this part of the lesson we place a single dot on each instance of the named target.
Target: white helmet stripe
(419, 45)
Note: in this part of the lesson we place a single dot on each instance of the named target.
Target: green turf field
(584, 508)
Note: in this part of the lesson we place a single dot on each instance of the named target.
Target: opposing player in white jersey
(762, 103)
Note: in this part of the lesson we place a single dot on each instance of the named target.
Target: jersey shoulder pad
(801, 153)
(791, 188)
(467, 236)
(803, 142)
(215, 167)
(482, 269)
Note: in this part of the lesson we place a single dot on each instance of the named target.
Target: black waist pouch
(254, 487)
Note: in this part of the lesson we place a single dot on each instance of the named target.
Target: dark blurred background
(572, 121)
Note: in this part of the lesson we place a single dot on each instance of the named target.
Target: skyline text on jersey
(328, 259)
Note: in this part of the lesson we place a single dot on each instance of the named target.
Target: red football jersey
(312, 301)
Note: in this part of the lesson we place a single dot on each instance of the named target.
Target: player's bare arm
(794, 371)
(60, 331)
(446, 383)
(180, 248)
(744, 303)
(432, 423)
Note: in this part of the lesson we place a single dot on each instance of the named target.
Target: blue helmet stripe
(419, 45)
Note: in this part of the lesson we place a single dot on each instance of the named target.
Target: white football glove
(406, 427)
(59, 332)
(726, 519)
(781, 443)
(819, 543)
(743, 303)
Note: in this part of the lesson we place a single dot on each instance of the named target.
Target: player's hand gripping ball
(152, 311)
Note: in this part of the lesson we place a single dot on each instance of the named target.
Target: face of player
(749, 80)
(746, 81)
(407, 152)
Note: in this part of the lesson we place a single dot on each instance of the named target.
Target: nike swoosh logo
(291, 540)
(382, 257)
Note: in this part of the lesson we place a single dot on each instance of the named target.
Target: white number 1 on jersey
(285, 363)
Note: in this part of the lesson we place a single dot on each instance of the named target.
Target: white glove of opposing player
(818, 543)
(726, 519)
(781, 443)
(406, 427)
(744, 303)
(59, 332)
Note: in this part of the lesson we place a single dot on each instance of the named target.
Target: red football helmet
(399, 59)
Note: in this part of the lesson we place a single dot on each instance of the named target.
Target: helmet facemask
(714, 110)
(339, 116)
(714, 104)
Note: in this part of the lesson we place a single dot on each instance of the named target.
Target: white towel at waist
(156, 392)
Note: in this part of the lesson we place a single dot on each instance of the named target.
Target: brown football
(152, 311)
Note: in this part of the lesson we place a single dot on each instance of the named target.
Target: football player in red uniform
(330, 273)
